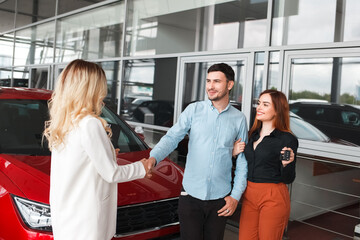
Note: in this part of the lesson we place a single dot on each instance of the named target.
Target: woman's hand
(148, 165)
(292, 156)
(117, 150)
(238, 147)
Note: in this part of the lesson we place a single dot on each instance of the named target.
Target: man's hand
(148, 165)
(152, 161)
(229, 208)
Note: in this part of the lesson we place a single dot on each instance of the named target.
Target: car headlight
(35, 215)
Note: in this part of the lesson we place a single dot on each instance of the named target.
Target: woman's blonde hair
(80, 91)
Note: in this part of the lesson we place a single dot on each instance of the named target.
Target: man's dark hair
(224, 68)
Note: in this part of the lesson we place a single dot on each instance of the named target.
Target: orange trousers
(265, 211)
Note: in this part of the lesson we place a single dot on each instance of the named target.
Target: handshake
(148, 165)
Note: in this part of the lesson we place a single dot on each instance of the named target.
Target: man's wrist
(154, 160)
(237, 198)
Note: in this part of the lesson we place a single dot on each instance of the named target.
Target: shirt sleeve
(98, 147)
(174, 135)
(288, 172)
(241, 165)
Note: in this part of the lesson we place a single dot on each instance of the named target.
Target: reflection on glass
(157, 28)
(318, 200)
(122, 137)
(21, 77)
(305, 72)
(258, 75)
(70, 5)
(112, 73)
(305, 130)
(258, 81)
(148, 91)
(39, 78)
(195, 82)
(34, 45)
(350, 81)
(273, 76)
(7, 15)
(5, 77)
(352, 20)
(303, 21)
(152, 137)
(332, 104)
(30, 11)
(93, 34)
(6, 46)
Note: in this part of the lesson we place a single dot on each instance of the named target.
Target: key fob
(285, 156)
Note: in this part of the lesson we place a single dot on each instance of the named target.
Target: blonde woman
(84, 172)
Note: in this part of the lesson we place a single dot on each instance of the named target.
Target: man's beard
(218, 97)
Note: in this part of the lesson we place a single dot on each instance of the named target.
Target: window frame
(313, 148)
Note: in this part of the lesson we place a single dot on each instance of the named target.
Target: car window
(22, 125)
(317, 113)
(341, 123)
(122, 137)
(350, 118)
(305, 130)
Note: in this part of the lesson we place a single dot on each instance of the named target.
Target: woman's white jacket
(83, 183)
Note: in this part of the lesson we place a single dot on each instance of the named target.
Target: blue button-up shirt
(209, 161)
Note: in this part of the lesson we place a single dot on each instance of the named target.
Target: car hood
(31, 176)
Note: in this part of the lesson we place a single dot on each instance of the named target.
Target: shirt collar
(275, 133)
(209, 102)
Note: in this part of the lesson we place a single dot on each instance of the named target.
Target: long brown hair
(282, 116)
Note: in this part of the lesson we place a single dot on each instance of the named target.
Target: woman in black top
(266, 201)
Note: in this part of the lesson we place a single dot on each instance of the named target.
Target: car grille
(146, 217)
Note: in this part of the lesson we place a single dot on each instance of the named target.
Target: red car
(147, 208)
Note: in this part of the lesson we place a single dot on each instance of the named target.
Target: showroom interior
(155, 54)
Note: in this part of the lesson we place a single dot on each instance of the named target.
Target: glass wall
(351, 20)
(157, 28)
(5, 77)
(321, 21)
(274, 81)
(325, 200)
(21, 77)
(303, 21)
(6, 46)
(332, 105)
(259, 81)
(148, 91)
(31, 11)
(39, 77)
(70, 5)
(35, 45)
(94, 34)
(112, 72)
(7, 15)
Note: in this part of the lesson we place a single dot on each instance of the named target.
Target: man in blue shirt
(213, 126)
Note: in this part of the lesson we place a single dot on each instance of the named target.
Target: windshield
(22, 124)
(305, 130)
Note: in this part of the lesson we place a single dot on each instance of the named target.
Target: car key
(285, 156)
